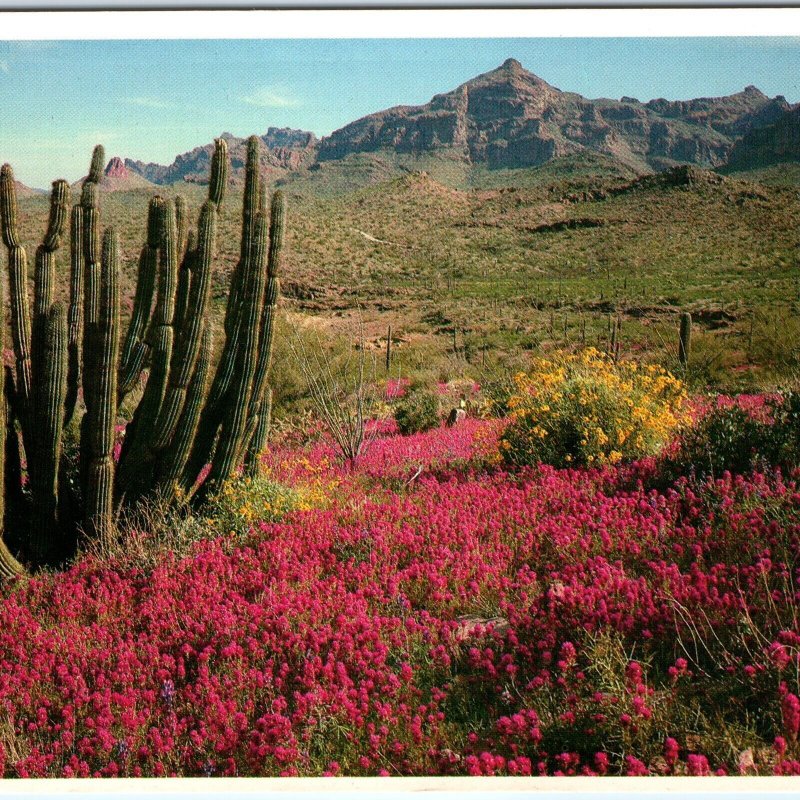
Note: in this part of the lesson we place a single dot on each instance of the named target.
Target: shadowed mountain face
(510, 118)
(775, 143)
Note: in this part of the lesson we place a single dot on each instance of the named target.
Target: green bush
(733, 439)
(243, 502)
(497, 391)
(416, 412)
(157, 529)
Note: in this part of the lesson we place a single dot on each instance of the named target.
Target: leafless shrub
(342, 389)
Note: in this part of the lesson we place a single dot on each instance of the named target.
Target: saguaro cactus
(685, 339)
(180, 423)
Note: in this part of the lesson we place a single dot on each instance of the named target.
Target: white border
(399, 24)
(396, 788)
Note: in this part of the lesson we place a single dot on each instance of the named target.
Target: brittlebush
(585, 410)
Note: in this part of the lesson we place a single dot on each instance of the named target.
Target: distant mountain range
(284, 150)
(510, 119)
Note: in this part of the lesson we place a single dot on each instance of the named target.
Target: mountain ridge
(507, 119)
(285, 149)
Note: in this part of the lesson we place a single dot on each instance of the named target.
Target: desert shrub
(243, 502)
(736, 439)
(156, 529)
(290, 390)
(584, 409)
(342, 389)
(497, 392)
(418, 411)
(498, 385)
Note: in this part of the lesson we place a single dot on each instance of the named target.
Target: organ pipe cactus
(189, 415)
(261, 399)
(75, 313)
(135, 349)
(9, 566)
(102, 339)
(49, 414)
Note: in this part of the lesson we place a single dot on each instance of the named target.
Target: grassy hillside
(447, 166)
(523, 268)
(787, 174)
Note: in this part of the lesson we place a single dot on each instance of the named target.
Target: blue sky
(154, 99)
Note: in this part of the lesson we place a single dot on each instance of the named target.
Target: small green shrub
(156, 529)
(497, 391)
(730, 438)
(416, 412)
(243, 502)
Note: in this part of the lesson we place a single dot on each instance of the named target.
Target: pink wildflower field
(430, 613)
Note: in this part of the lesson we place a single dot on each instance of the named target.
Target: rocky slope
(118, 177)
(771, 144)
(26, 191)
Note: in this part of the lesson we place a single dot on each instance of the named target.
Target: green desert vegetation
(477, 274)
(474, 275)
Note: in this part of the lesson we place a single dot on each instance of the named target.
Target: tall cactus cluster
(191, 429)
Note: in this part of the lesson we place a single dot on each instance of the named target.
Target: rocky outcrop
(26, 191)
(116, 169)
(510, 118)
(117, 177)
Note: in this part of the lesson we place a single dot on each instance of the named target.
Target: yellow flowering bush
(584, 409)
(242, 502)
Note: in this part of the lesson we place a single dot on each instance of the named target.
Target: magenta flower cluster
(475, 622)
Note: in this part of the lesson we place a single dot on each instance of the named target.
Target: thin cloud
(147, 102)
(271, 97)
(4, 67)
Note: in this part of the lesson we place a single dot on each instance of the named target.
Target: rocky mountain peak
(512, 65)
(285, 149)
(509, 118)
(116, 168)
(509, 72)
